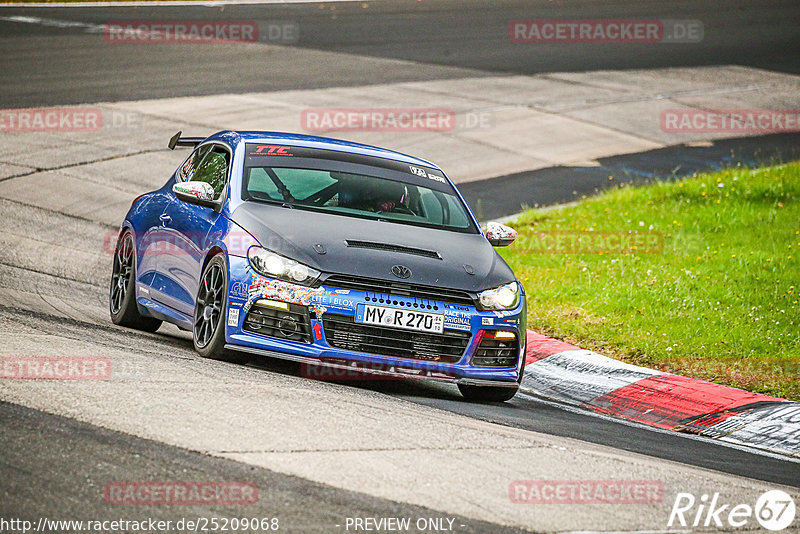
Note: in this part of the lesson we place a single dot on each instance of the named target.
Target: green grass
(718, 302)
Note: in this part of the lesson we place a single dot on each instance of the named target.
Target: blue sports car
(334, 254)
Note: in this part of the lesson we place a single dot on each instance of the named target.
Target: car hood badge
(401, 271)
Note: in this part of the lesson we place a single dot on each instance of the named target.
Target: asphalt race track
(50, 64)
(319, 452)
(31, 439)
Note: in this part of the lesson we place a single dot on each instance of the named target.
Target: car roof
(311, 141)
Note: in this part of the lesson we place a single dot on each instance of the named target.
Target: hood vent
(393, 248)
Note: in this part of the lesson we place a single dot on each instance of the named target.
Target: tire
(210, 310)
(493, 393)
(122, 293)
(487, 393)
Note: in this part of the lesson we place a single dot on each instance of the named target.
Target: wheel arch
(126, 226)
(213, 251)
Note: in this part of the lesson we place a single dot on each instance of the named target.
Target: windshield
(357, 195)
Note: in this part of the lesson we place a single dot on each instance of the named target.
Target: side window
(443, 209)
(455, 215)
(190, 166)
(213, 169)
(433, 207)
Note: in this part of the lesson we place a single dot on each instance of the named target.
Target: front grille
(496, 353)
(413, 291)
(394, 248)
(293, 324)
(342, 332)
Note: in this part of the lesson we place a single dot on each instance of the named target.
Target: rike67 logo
(774, 510)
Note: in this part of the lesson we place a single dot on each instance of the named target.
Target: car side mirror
(198, 193)
(500, 235)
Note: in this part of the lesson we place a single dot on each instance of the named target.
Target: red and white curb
(568, 374)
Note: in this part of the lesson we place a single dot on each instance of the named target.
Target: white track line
(179, 3)
(55, 23)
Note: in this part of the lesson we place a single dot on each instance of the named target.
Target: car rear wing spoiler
(177, 140)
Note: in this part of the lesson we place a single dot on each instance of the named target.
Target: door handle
(165, 219)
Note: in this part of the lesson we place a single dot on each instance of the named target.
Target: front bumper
(470, 324)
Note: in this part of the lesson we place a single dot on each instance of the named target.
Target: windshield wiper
(274, 201)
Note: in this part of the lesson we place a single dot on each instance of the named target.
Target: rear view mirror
(198, 193)
(500, 235)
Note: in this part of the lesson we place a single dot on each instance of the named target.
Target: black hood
(370, 248)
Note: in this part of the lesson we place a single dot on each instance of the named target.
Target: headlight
(274, 265)
(500, 298)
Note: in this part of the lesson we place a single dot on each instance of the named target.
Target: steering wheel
(397, 208)
(400, 208)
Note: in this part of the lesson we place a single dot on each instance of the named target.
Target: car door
(153, 242)
(186, 227)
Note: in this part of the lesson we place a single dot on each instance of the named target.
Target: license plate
(398, 318)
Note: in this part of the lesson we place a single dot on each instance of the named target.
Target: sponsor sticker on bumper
(233, 316)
